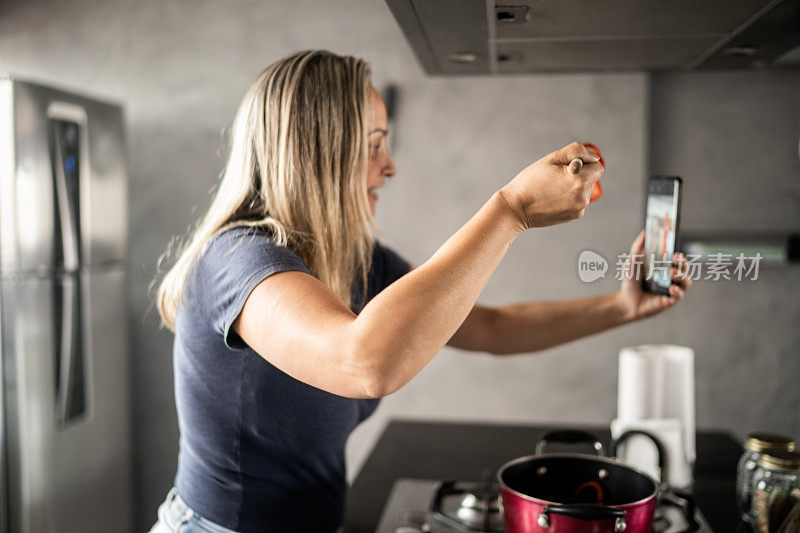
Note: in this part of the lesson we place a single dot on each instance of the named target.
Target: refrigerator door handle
(63, 345)
(70, 385)
(66, 209)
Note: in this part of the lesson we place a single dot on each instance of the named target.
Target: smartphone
(662, 222)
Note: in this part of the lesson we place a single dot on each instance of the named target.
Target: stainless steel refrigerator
(66, 440)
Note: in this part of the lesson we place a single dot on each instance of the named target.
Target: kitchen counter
(434, 450)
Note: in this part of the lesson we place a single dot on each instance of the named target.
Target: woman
(291, 321)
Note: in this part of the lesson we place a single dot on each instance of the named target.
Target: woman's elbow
(373, 372)
(376, 386)
(377, 381)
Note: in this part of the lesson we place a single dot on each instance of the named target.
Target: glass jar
(776, 489)
(754, 446)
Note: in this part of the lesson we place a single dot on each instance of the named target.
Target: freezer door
(67, 431)
(59, 143)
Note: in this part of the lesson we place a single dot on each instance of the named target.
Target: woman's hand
(547, 193)
(635, 301)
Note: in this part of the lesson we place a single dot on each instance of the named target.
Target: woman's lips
(373, 195)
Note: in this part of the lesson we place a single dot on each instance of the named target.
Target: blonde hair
(297, 167)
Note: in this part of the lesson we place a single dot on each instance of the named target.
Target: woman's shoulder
(247, 249)
(233, 263)
(246, 240)
(236, 235)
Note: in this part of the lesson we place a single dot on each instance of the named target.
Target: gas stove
(431, 506)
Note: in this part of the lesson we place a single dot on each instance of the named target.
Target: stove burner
(474, 506)
(473, 510)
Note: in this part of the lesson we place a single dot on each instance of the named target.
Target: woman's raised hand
(548, 193)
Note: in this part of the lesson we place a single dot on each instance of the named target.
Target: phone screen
(661, 230)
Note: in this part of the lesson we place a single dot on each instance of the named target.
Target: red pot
(579, 493)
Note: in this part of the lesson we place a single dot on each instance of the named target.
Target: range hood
(457, 37)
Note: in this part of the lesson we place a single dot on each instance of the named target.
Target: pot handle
(685, 502)
(570, 436)
(583, 511)
(662, 456)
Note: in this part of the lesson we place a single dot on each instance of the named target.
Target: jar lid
(758, 442)
(779, 460)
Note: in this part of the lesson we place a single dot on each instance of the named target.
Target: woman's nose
(389, 169)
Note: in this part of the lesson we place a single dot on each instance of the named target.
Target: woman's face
(379, 165)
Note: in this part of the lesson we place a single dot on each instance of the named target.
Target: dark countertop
(461, 451)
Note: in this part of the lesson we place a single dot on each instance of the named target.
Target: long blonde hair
(297, 167)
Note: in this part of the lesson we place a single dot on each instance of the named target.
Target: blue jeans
(174, 516)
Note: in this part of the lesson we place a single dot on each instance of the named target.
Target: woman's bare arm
(528, 327)
(533, 326)
(299, 325)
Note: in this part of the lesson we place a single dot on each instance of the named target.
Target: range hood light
(745, 50)
(463, 57)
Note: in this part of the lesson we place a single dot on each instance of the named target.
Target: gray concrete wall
(181, 67)
(733, 136)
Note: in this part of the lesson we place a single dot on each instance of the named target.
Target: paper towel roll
(679, 392)
(641, 384)
(656, 381)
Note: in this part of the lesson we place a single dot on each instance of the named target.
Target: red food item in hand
(597, 189)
